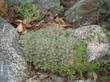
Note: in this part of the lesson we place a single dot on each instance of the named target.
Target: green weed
(30, 12)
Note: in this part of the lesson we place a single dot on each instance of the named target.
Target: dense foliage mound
(59, 51)
(55, 50)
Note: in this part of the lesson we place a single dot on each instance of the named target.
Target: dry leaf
(59, 20)
(19, 28)
(24, 23)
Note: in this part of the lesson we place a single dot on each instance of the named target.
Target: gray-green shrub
(55, 50)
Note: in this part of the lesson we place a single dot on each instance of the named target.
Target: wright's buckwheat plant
(55, 50)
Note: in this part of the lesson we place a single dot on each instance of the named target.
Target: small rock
(39, 77)
(96, 50)
(88, 80)
(57, 78)
(42, 75)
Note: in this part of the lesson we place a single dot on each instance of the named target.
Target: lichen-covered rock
(49, 4)
(65, 51)
(98, 43)
(97, 50)
(18, 2)
(13, 67)
(44, 5)
(86, 11)
(81, 10)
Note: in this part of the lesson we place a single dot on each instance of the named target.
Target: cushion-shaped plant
(61, 51)
(55, 50)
